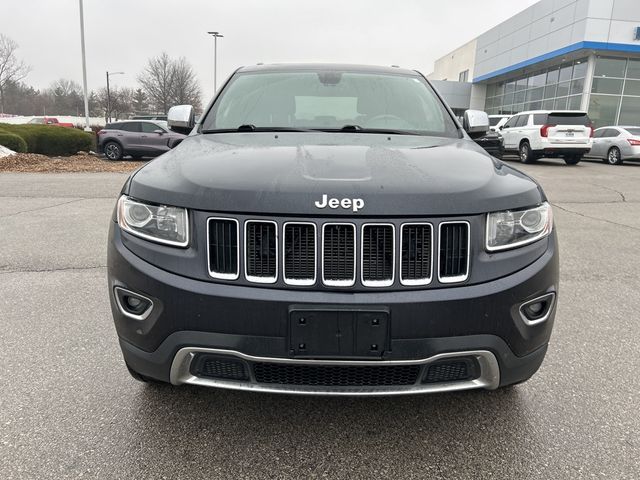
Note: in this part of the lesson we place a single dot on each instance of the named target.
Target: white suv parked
(497, 121)
(545, 133)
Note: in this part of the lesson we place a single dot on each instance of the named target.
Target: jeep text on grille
(332, 229)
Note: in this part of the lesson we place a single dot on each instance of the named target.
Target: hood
(297, 173)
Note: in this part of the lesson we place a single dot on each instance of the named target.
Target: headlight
(514, 228)
(159, 223)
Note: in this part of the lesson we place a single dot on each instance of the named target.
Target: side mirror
(159, 131)
(181, 119)
(501, 127)
(475, 123)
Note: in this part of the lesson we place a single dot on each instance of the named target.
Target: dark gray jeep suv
(332, 229)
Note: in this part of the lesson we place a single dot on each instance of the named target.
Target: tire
(614, 157)
(113, 151)
(525, 153)
(572, 159)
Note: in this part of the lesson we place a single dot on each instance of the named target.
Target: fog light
(133, 305)
(534, 309)
(537, 310)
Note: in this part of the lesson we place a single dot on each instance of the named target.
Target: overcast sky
(122, 34)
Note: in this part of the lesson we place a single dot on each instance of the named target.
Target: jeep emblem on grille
(354, 203)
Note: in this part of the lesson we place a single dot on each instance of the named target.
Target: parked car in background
(49, 121)
(544, 133)
(149, 117)
(616, 144)
(140, 138)
(492, 142)
(497, 121)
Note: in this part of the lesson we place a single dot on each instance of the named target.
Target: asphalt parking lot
(68, 407)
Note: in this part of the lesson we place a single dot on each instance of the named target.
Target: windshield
(493, 121)
(559, 118)
(330, 101)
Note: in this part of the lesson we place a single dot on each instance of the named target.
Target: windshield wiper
(249, 127)
(359, 129)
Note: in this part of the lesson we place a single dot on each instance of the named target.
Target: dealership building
(556, 54)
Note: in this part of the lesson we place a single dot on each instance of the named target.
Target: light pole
(87, 128)
(109, 95)
(215, 36)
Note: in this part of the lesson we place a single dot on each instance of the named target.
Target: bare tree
(121, 101)
(66, 87)
(186, 90)
(67, 97)
(158, 79)
(12, 69)
(169, 82)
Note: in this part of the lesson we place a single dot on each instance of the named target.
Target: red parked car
(50, 121)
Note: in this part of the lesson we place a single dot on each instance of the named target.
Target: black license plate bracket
(338, 333)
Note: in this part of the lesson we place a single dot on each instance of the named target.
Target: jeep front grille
(339, 254)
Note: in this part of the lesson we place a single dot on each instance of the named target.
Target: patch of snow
(77, 121)
(5, 152)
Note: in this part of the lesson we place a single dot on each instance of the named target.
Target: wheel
(526, 154)
(614, 157)
(113, 151)
(572, 159)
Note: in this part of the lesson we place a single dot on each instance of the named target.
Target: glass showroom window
(615, 93)
(559, 87)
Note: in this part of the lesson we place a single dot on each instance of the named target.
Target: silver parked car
(616, 144)
(140, 138)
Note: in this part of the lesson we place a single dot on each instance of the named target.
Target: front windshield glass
(330, 101)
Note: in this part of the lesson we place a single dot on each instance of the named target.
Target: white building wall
(451, 65)
(550, 25)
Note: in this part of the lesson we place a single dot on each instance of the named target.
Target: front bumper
(481, 322)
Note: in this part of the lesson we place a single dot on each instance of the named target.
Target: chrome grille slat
(299, 254)
(416, 260)
(261, 251)
(453, 256)
(222, 248)
(377, 254)
(339, 254)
